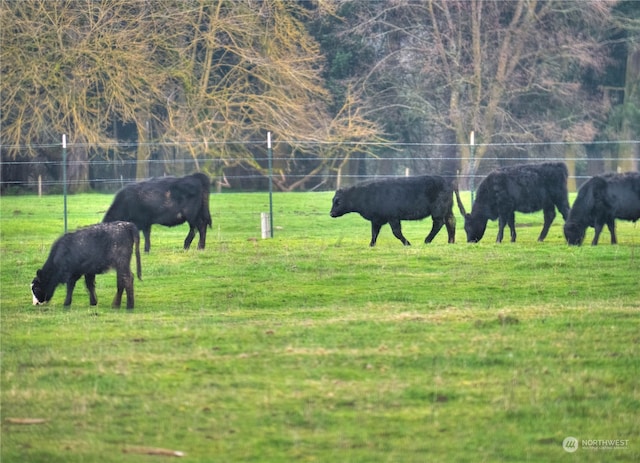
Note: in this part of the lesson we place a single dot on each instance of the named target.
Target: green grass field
(314, 347)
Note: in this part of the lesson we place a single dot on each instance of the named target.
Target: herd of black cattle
(173, 201)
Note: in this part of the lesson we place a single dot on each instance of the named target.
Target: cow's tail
(454, 182)
(206, 187)
(207, 214)
(456, 192)
(136, 246)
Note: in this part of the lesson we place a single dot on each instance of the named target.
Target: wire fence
(112, 169)
(317, 142)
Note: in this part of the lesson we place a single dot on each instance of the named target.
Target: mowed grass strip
(314, 347)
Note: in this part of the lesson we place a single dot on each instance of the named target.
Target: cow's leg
(146, 231)
(597, 228)
(121, 282)
(190, 236)
(128, 285)
(90, 281)
(437, 225)
(450, 223)
(202, 230)
(549, 215)
(502, 222)
(375, 231)
(71, 284)
(397, 231)
(511, 221)
(611, 225)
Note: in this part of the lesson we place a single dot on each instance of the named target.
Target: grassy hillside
(314, 347)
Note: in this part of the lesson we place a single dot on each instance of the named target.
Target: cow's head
(574, 233)
(474, 227)
(38, 291)
(339, 207)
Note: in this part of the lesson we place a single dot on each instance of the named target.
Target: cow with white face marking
(90, 251)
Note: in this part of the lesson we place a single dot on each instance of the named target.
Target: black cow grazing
(392, 200)
(525, 188)
(166, 201)
(90, 251)
(602, 200)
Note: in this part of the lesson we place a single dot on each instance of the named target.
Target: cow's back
(406, 198)
(524, 188)
(151, 201)
(93, 249)
(531, 190)
(623, 195)
(130, 204)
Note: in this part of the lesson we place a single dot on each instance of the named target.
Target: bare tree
(73, 68)
(207, 75)
(260, 74)
(510, 71)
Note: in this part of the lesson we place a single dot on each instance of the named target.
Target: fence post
(265, 225)
(270, 153)
(64, 177)
(472, 166)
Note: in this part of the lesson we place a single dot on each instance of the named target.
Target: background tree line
(205, 80)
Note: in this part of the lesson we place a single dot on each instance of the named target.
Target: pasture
(314, 347)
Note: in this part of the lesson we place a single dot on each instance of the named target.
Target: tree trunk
(628, 153)
(143, 153)
(77, 169)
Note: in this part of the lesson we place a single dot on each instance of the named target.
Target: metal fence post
(64, 178)
(270, 153)
(472, 166)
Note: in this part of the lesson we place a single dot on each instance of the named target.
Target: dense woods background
(349, 88)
